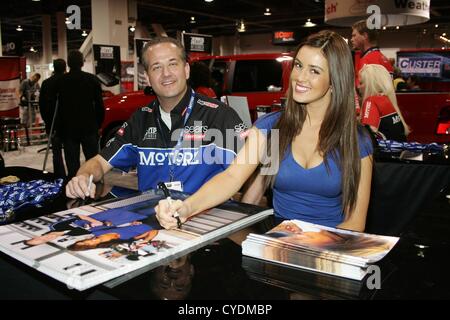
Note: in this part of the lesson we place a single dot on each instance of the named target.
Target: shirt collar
(370, 50)
(183, 104)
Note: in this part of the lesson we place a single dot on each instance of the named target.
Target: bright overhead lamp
(192, 20)
(132, 28)
(84, 34)
(309, 24)
(67, 21)
(209, 0)
(32, 49)
(19, 28)
(267, 12)
(241, 26)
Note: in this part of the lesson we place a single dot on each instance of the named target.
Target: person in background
(366, 40)
(412, 83)
(28, 92)
(200, 79)
(177, 122)
(380, 110)
(399, 82)
(80, 113)
(325, 163)
(47, 106)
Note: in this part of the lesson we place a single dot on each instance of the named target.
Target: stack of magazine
(92, 244)
(323, 249)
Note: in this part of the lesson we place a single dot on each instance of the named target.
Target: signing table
(409, 200)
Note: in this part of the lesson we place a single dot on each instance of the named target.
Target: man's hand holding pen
(81, 186)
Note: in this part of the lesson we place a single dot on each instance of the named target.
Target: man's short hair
(159, 40)
(59, 66)
(361, 27)
(75, 59)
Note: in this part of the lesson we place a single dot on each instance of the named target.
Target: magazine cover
(319, 248)
(89, 245)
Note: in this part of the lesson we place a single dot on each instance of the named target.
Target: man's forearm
(96, 166)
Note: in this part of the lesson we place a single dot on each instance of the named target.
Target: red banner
(12, 71)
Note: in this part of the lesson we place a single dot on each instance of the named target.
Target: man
(365, 40)
(169, 140)
(28, 90)
(47, 105)
(80, 112)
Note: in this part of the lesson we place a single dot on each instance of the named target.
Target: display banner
(107, 64)
(11, 46)
(425, 64)
(284, 38)
(9, 94)
(194, 42)
(380, 12)
(12, 72)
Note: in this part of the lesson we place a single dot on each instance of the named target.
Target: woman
(380, 110)
(351, 244)
(109, 237)
(325, 171)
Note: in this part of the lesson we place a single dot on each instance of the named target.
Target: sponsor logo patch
(193, 137)
(150, 134)
(240, 127)
(147, 109)
(207, 104)
(195, 129)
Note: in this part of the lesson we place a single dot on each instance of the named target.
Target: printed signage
(107, 64)
(425, 64)
(283, 37)
(197, 43)
(386, 12)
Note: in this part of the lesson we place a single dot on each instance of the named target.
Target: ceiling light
(32, 49)
(67, 21)
(267, 13)
(241, 26)
(309, 24)
(209, 0)
(132, 28)
(84, 34)
(444, 34)
(192, 20)
(384, 28)
(19, 28)
(397, 27)
(436, 26)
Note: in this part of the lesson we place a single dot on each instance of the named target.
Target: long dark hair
(338, 132)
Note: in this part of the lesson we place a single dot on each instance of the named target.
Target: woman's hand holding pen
(166, 213)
